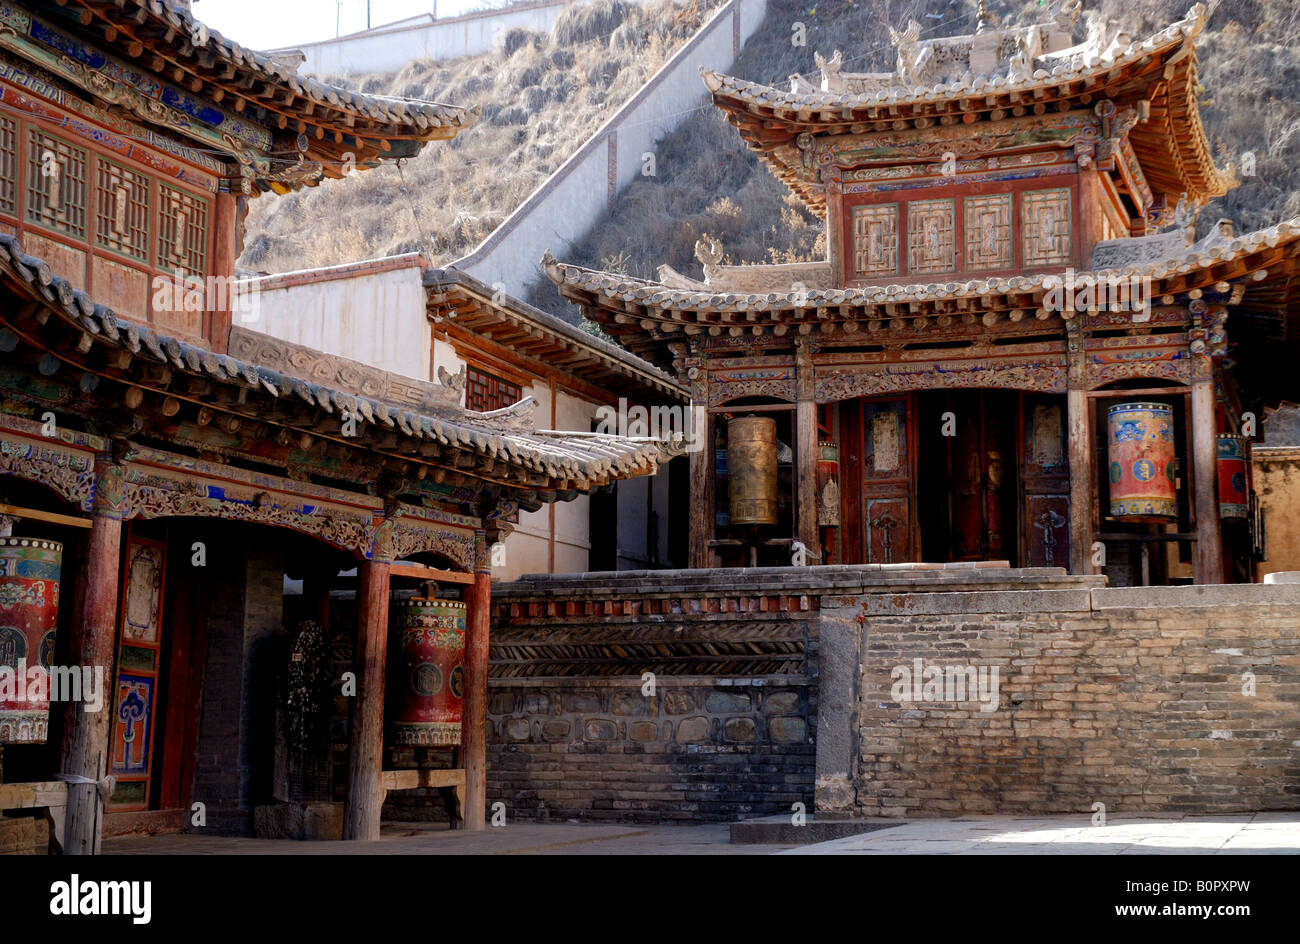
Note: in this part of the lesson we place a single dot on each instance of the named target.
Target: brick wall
(732, 728)
(237, 714)
(1135, 698)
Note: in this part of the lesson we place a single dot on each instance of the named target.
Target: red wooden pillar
(365, 797)
(474, 707)
(85, 747)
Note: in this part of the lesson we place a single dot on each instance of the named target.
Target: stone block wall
(1172, 699)
(699, 749)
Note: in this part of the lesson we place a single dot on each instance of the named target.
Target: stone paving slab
(1253, 833)
(1167, 834)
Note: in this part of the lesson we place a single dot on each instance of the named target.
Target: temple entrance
(966, 475)
(963, 475)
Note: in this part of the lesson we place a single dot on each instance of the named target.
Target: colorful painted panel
(132, 725)
(1045, 224)
(988, 232)
(875, 240)
(144, 581)
(930, 238)
(138, 666)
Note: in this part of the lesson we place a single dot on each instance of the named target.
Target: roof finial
(982, 15)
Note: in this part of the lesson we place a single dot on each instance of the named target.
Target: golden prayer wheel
(752, 469)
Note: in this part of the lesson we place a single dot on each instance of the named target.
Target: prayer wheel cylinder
(1142, 462)
(1234, 501)
(752, 470)
(431, 672)
(29, 616)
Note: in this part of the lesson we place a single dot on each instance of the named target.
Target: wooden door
(1044, 482)
(888, 500)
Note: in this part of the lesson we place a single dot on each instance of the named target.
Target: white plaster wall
(564, 207)
(377, 319)
(388, 49)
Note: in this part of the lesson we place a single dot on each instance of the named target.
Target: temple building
(403, 315)
(212, 529)
(1017, 347)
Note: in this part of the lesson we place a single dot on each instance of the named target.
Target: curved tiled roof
(663, 302)
(192, 43)
(770, 119)
(562, 456)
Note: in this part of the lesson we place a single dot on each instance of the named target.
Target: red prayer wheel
(1142, 461)
(431, 672)
(29, 615)
(1234, 500)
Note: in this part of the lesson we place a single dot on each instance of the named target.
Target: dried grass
(540, 100)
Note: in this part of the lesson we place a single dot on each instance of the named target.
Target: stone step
(779, 828)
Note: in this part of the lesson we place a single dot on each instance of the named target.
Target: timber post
(94, 637)
(474, 709)
(1079, 438)
(1209, 541)
(703, 514)
(365, 798)
(805, 422)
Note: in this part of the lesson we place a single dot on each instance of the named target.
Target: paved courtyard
(1247, 833)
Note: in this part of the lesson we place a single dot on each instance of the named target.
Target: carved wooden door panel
(887, 489)
(1045, 482)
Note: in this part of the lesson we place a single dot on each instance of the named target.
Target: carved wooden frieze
(70, 473)
(425, 530)
(1045, 375)
(734, 383)
(1064, 129)
(156, 493)
(1164, 357)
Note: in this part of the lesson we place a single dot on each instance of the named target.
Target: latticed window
(875, 240)
(1045, 221)
(182, 231)
(121, 210)
(8, 159)
(56, 184)
(486, 392)
(930, 246)
(988, 232)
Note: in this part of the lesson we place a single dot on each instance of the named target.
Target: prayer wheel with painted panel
(430, 672)
(1234, 502)
(1143, 466)
(752, 470)
(29, 614)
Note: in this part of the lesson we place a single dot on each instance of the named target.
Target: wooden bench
(51, 794)
(450, 783)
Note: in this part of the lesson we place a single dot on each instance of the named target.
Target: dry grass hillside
(542, 96)
(708, 182)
